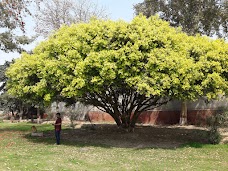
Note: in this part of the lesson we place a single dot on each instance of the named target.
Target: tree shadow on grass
(109, 136)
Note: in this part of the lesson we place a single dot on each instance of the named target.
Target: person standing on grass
(57, 125)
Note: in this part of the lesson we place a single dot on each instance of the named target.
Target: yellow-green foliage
(147, 55)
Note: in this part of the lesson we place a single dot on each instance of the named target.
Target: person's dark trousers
(57, 136)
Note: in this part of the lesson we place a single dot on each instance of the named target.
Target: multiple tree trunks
(123, 69)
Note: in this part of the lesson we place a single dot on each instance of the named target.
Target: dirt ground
(143, 136)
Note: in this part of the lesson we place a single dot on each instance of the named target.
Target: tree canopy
(208, 17)
(122, 68)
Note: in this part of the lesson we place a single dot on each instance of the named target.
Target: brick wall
(195, 117)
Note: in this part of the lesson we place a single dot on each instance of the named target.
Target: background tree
(210, 81)
(52, 14)
(3, 77)
(12, 18)
(11, 105)
(208, 17)
(78, 111)
(17, 106)
(3, 97)
(204, 17)
(8, 103)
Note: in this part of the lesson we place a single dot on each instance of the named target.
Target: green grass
(20, 151)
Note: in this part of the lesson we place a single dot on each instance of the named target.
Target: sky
(116, 9)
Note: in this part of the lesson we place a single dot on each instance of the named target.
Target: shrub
(216, 121)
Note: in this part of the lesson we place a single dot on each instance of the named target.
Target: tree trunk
(125, 121)
(57, 106)
(183, 115)
(12, 117)
(133, 121)
(20, 113)
(32, 119)
(38, 115)
(118, 121)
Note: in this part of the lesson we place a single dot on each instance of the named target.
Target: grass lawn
(100, 151)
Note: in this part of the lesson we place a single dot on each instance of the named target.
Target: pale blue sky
(120, 9)
(117, 9)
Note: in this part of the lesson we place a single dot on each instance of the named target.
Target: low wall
(199, 117)
(99, 116)
(194, 117)
(167, 114)
(159, 117)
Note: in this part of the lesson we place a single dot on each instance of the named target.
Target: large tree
(121, 68)
(52, 14)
